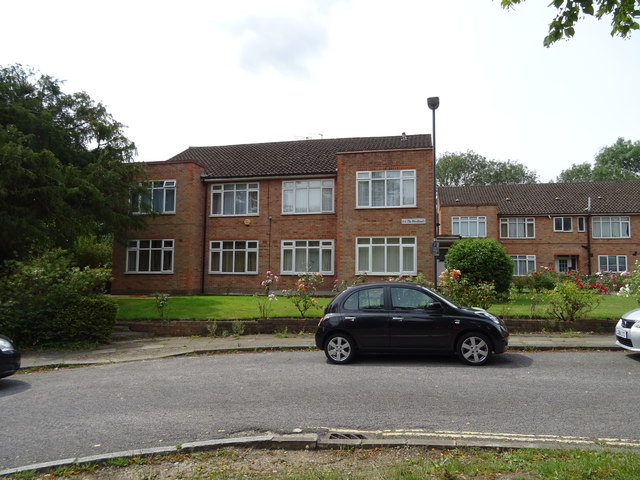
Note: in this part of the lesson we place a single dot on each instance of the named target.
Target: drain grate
(347, 436)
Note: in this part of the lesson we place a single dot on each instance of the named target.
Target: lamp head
(433, 102)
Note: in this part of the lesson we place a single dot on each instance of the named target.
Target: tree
(481, 260)
(620, 161)
(577, 173)
(624, 15)
(470, 168)
(66, 166)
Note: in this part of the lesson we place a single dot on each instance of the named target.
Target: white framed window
(306, 256)
(523, 264)
(159, 197)
(469, 226)
(562, 224)
(581, 224)
(232, 199)
(611, 227)
(517, 227)
(386, 188)
(307, 196)
(612, 263)
(233, 256)
(150, 256)
(386, 255)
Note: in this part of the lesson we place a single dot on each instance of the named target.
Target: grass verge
(375, 463)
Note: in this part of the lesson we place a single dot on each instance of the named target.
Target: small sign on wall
(414, 221)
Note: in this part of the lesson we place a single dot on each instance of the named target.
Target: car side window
(409, 299)
(368, 299)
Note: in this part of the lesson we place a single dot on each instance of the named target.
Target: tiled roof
(301, 157)
(548, 198)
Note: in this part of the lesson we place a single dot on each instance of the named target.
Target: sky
(204, 73)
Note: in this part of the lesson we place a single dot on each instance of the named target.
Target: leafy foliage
(66, 166)
(569, 300)
(455, 287)
(46, 299)
(481, 260)
(302, 295)
(470, 168)
(624, 15)
(620, 161)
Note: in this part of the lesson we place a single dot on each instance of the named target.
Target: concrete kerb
(313, 441)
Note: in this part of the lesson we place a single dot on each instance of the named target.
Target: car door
(417, 320)
(365, 317)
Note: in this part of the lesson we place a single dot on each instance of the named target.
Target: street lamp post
(434, 103)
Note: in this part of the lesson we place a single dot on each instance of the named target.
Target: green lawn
(245, 308)
(209, 308)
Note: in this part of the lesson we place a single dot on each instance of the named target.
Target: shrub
(302, 296)
(40, 298)
(459, 290)
(569, 300)
(265, 302)
(543, 279)
(481, 260)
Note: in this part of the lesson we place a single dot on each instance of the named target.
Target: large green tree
(470, 168)
(620, 161)
(624, 16)
(66, 166)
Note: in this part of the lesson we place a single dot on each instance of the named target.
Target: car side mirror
(435, 307)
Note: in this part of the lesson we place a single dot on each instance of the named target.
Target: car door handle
(351, 319)
(398, 318)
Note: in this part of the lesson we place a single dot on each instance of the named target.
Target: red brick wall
(548, 244)
(192, 227)
(269, 228)
(362, 222)
(184, 227)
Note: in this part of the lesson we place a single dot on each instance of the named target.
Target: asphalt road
(70, 413)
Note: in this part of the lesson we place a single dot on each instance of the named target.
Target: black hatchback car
(406, 318)
(9, 357)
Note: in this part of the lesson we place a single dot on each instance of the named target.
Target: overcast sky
(197, 73)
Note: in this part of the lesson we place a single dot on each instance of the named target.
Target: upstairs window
(517, 227)
(307, 196)
(159, 197)
(386, 188)
(562, 224)
(232, 199)
(611, 227)
(581, 224)
(469, 226)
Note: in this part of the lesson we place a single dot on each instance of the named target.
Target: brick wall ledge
(296, 325)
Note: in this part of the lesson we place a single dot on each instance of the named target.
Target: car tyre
(474, 349)
(340, 349)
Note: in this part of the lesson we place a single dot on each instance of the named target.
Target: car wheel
(340, 349)
(474, 349)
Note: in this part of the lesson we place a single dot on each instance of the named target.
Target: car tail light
(321, 320)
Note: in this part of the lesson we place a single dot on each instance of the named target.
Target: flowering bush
(631, 286)
(570, 300)
(543, 279)
(612, 281)
(265, 302)
(340, 285)
(302, 295)
(459, 290)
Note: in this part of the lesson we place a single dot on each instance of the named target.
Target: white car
(628, 331)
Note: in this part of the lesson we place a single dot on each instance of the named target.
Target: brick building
(587, 227)
(226, 215)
